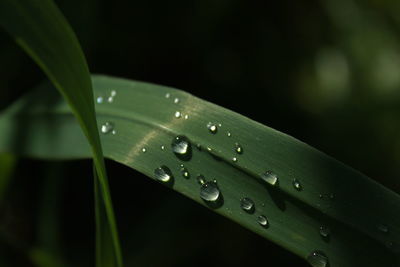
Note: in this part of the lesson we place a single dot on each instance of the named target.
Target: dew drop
(297, 185)
(186, 117)
(176, 100)
(318, 259)
(163, 174)
(99, 99)
(270, 178)
(383, 228)
(114, 132)
(107, 127)
(238, 148)
(113, 93)
(201, 179)
(247, 205)
(167, 95)
(262, 220)
(185, 173)
(212, 128)
(110, 99)
(144, 150)
(234, 159)
(178, 114)
(229, 134)
(209, 192)
(324, 231)
(162, 147)
(180, 145)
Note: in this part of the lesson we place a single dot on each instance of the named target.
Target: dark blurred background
(326, 72)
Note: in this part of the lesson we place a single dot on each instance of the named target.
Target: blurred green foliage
(326, 72)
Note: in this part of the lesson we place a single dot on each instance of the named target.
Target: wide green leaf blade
(140, 121)
(42, 31)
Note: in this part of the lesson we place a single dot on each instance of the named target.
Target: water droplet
(209, 192)
(185, 173)
(100, 100)
(331, 196)
(324, 231)
(297, 185)
(212, 128)
(209, 149)
(270, 178)
(229, 134)
(144, 150)
(163, 174)
(110, 99)
(262, 220)
(186, 117)
(201, 179)
(113, 93)
(176, 100)
(220, 124)
(162, 147)
(247, 205)
(234, 159)
(178, 114)
(114, 132)
(383, 228)
(167, 95)
(180, 145)
(238, 148)
(107, 127)
(321, 196)
(318, 259)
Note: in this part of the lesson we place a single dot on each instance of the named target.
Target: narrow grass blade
(7, 165)
(42, 31)
(308, 190)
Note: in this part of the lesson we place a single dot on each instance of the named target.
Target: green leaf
(356, 209)
(42, 31)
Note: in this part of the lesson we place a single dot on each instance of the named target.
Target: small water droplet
(270, 178)
(209, 192)
(297, 185)
(220, 124)
(209, 149)
(212, 128)
(144, 150)
(178, 114)
(163, 174)
(318, 259)
(238, 148)
(113, 93)
(100, 99)
(229, 134)
(324, 231)
(247, 205)
(234, 159)
(186, 117)
(185, 173)
(331, 196)
(176, 100)
(262, 220)
(107, 127)
(321, 196)
(110, 99)
(201, 179)
(114, 132)
(383, 228)
(167, 95)
(180, 145)
(162, 147)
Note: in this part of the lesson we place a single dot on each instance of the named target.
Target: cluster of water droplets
(100, 99)
(318, 259)
(107, 127)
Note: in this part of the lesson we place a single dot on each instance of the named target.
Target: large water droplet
(178, 114)
(238, 148)
(163, 174)
(185, 173)
(180, 145)
(247, 205)
(107, 127)
(209, 192)
(324, 231)
(297, 185)
(318, 259)
(212, 128)
(262, 220)
(270, 178)
(99, 99)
